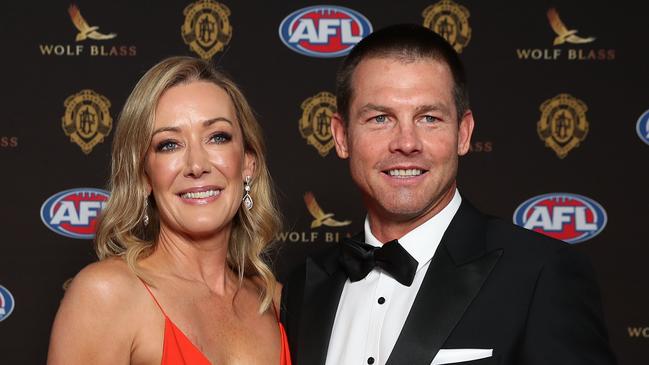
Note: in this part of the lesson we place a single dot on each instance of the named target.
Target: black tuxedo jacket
(490, 285)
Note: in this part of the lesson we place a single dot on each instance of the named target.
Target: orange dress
(177, 349)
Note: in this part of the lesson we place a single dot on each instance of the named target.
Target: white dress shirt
(372, 311)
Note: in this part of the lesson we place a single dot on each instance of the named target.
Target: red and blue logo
(6, 303)
(73, 213)
(324, 30)
(568, 217)
(643, 127)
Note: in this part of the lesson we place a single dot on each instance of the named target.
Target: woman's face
(196, 162)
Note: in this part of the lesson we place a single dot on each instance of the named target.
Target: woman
(181, 278)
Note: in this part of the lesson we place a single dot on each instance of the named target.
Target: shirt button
(370, 360)
(381, 300)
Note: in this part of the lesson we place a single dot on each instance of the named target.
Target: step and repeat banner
(558, 91)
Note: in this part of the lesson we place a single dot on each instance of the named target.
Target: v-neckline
(182, 342)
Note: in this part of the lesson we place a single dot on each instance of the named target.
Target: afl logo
(643, 127)
(73, 213)
(6, 303)
(324, 31)
(569, 217)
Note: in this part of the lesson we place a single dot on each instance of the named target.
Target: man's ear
(465, 130)
(249, 164)
(339, 133)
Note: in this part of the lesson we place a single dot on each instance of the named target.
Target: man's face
(403, 137)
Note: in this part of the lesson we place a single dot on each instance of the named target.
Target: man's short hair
(407, 42)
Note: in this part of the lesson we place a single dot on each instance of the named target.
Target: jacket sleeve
(565, 323)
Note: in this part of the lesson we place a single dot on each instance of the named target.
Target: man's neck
(388, 227)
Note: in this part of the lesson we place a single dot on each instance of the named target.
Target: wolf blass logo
(638, 332)
(481, 146)
(311, 237)
(565, 34)
(320, 218)
(8, 142)
(85, 33)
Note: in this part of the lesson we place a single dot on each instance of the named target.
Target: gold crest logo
(316, 119)
(87, 119)
(320, 217)
(207, 28)
(451, 21)
(563, 123)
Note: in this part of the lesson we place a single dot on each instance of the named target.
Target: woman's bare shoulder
(102, 300)
(107, 280)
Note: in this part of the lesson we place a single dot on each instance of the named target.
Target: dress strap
(153, 296)
(275, 310)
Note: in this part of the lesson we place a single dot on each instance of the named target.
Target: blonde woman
(181, 277)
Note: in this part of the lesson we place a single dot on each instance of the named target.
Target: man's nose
(405, 139)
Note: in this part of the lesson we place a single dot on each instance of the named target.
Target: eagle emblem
(563, 33)
(86, 31)
(320, 217)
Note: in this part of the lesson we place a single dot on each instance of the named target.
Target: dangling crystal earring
(145, 218)
(247, 199)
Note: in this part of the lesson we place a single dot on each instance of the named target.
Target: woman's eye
(221, 138)
(166, 146)
(381, 118)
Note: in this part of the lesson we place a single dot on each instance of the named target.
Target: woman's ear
(249, 164)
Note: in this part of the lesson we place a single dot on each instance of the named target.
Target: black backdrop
(508, 165)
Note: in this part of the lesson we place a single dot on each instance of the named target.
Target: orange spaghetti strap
(275, 310)
(285, 353)
(153, 296)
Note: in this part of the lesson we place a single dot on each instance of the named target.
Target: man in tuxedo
(431, 280)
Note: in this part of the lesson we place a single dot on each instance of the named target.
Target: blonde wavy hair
(121, 232)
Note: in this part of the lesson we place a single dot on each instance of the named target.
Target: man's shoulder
(292, 261)
(519, 241)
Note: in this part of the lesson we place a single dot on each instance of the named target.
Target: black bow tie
(359, 258)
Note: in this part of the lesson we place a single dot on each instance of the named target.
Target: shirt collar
(421, 243)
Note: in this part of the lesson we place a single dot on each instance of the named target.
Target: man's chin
(403, 212)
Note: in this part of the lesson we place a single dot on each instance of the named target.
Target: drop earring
(145, 217)
(247, 199)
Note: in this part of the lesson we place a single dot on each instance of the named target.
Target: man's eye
(221, 137)
(430, 119)
(381, 118)
(166, 146)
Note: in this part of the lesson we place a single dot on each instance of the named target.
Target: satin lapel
(455, 275)
(323, 286)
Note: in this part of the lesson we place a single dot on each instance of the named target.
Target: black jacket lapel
(324, 281)
(456, 273)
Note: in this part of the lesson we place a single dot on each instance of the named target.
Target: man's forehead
(380, 74)
(404, 60)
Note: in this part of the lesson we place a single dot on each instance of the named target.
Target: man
(457, 286)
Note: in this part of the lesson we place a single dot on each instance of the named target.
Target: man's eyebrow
(420, 109)
(374, 107)
(433, 107)
(206, 123)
